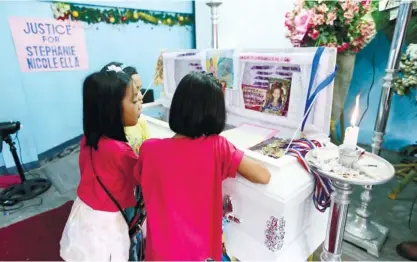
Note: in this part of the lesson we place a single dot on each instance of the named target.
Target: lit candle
(352, 132)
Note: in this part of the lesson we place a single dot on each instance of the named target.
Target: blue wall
(402, 122)
(49, 103)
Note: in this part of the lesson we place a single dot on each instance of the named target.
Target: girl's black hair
(105, 68)
(103, 93)
(130, 70)
(198, 106)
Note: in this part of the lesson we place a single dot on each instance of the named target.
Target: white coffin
(288, 197)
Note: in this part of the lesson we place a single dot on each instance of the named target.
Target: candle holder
(348, 156)
(345, 167)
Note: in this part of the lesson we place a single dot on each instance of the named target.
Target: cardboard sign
(49, 45)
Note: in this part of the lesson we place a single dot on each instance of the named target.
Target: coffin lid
(318, 121)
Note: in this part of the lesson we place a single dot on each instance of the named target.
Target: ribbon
(314, 67)
(322, 186)
(327, 81)
(114, 68)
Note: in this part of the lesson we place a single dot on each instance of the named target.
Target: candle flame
(355, 114)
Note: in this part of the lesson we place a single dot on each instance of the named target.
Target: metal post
(404, 14)
(360, 230)
(214, 6)
(332, 248)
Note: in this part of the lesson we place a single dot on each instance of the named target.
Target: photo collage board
(264, 85)
(267, 88)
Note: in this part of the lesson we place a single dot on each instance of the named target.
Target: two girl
(180, 177)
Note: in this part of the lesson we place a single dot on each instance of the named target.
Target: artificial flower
(407, 75)
(314, 34)
(342, 47)
(60, 10)
(303, 21)
(322, 8)
(289, 15)
(331, 17)
(288, 23)
(366, 5)
(412, 52)
(367, 29)
(345, 6)
(357, 42)
(318, 19)
(349, 15)
(350, 6)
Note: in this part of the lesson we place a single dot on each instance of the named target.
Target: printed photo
(225, 71)
(277, 97)
(254, 97)
(220, 64)
(266, 87)
(212, 65)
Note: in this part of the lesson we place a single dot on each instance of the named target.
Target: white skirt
(92, 235)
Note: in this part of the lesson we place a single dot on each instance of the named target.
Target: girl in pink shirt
(181, 177)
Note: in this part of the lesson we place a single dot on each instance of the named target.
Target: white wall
(245, 24)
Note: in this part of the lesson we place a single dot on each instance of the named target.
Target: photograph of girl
(277, 97)
(220, 64)
(211, 67)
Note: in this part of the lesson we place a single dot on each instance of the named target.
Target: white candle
(351, 137)
(352, 132)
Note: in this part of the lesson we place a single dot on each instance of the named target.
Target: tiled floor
(64, 174)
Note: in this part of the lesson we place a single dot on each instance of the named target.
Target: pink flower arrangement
(343, 24)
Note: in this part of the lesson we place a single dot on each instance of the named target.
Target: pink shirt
(113, 164)
(181, 179)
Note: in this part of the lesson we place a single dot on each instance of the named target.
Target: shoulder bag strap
(107, 191)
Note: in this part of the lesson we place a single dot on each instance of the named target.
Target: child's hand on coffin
(254, 171)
